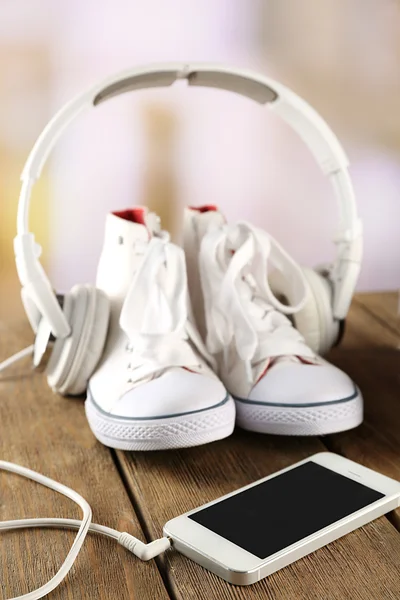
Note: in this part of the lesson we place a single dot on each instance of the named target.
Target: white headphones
(78, 321)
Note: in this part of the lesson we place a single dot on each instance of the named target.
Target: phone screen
(281, 511)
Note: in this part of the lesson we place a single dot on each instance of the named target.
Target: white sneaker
(153, 388)
(280, 386)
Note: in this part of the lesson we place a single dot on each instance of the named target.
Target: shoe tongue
(279, 361)
(131, 225)
(284, 359)
(207, 217)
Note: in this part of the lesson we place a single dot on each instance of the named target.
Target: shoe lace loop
(240, 305)
(154, 315)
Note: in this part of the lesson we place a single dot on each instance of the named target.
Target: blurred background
(342, 56)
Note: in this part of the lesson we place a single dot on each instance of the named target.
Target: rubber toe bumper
(181, 430)
(298, 399)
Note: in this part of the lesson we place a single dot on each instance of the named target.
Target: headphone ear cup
(74, 358)
(315, 320)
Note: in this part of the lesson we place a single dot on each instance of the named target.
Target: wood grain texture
(385, 307)
(374, 364)
(364, 564)
(47, 433)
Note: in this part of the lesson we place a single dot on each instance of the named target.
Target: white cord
(16, 357)
(80, 537)
(58, 524)
(138, 548)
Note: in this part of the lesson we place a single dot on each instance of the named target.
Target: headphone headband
(39, 299)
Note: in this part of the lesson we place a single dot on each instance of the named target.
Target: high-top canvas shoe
(280, 386)
(153, 388)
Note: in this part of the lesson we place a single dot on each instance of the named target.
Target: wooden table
(139, 492)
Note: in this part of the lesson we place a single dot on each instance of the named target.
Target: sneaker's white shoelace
(239, 303)
(155, 316)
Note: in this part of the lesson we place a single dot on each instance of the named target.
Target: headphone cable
(16, 357)
(128, 541)
(137, 547)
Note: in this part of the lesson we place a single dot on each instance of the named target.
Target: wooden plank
(370, 356)
(363, 330)
(384, 307)
(193, 476)
(363, 565)
(50, 434)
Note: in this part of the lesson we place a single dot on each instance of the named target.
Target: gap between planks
(141, 519)
(373, 364)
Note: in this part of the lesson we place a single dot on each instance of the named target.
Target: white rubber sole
(191, 429)
(320, 419)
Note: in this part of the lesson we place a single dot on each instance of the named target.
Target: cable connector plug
(142, 550)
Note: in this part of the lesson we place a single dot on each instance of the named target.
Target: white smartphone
(251, 533)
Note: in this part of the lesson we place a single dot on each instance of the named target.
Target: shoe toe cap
(303, 385)
(177, 392)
